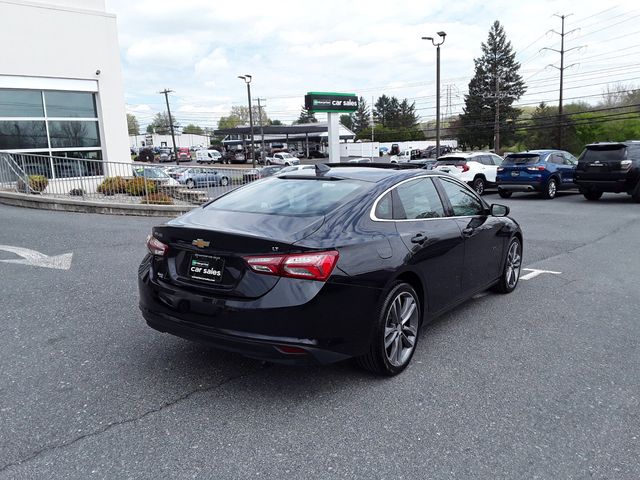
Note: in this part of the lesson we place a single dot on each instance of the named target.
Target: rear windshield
(290, 196)
(451, 161)
(604, 154)
(521, 159)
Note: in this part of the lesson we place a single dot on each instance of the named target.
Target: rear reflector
(156, 247)
(312, 266)
(289, 350)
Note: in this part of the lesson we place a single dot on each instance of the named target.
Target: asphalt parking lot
(542, 383)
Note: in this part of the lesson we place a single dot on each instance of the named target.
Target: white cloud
(370, 47)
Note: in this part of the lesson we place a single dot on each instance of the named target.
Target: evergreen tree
(496, 80)
(361, 117)
(407, 115)
(347, 120)
(382, 110)
(306, 117)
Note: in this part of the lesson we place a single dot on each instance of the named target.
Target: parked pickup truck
(282, 158)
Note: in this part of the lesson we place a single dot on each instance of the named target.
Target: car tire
(592, 195)
(512, 268)
(550, 189)
(395, 336)
(636, 193)
(190, 183)
(224, 181)
(504, 193)
(268, 162)
(478, 185)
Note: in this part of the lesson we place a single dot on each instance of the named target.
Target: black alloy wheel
(592, 195)
(396, 332)
(512, 267)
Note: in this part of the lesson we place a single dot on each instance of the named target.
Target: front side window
(463, 202)
(418, 199)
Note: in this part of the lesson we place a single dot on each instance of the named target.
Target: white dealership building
(61, 90)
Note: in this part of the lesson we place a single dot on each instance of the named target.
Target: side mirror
(499, 210)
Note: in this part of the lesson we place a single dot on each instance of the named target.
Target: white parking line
(533, 273)
(36, 259)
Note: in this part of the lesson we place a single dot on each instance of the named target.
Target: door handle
(419, 238)
(467, 232)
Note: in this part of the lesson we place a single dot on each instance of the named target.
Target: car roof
(465, 154)
(601, 144)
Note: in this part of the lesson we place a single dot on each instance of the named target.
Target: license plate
(515, 174)
(206, 268)
(596, 165)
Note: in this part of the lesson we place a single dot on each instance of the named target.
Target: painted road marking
(37, 259)
(533, 273)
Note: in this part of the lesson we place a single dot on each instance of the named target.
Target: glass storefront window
(70, 104)
(21, 103)
(73, 134)
(17, 134)
(77, 164)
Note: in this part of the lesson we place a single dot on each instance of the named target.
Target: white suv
(478, 169)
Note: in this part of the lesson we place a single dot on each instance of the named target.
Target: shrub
(157, 199)
(76, 192)
(37, 183)
(136, 187)
(113, 185)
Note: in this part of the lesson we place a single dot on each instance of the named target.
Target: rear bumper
(520, 187)
(613, 184)
(334, 321)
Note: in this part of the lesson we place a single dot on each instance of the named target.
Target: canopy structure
(314, 132)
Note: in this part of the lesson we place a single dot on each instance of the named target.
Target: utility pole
(372, 122)
(166, 93)
(562, 68)
(496, 127)
(261, 126)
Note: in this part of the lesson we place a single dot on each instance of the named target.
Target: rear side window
(418, 199)
(522, 159)
(290, 196)
(384, 208)
(604, 153)
(456, 161)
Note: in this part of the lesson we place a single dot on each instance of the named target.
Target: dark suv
(609, 167)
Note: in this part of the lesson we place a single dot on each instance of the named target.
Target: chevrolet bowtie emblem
(200, 243)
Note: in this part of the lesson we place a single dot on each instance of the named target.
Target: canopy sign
(331, 102)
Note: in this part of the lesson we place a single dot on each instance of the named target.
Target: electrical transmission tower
(562, 68)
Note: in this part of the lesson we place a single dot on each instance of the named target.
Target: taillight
(156, 247)
(536, 169)
(312, 266)
(625, 164)
(464, 168)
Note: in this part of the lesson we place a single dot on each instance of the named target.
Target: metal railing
(115, 182)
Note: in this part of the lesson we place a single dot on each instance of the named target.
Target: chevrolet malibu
(321, 265)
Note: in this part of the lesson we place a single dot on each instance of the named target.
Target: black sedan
(321, 265)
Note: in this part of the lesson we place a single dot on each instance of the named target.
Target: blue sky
(198, 48)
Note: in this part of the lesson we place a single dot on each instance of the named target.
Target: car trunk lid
(206, 249)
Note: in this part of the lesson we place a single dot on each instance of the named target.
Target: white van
(208, 156)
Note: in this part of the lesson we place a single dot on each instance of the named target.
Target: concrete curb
(71, 205)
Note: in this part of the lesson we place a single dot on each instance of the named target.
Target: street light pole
(247, 80)
(173, 137)
(261, 129)
(442, 35)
